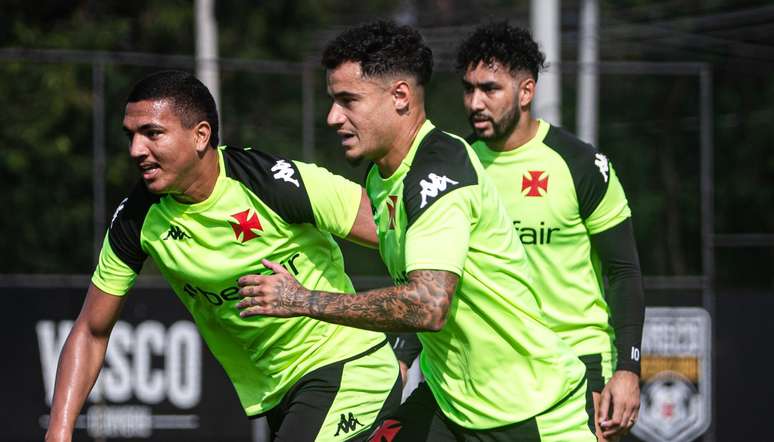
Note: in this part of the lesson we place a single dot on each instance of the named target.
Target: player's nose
(137, 149)
(476, 101)
(335, 117)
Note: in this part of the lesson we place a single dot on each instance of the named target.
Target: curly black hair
(511, 46)
(382, 48)
(191, 99)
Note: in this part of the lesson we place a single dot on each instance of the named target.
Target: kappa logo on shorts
(284, 171)
(436, 185)
(386, 431)
(347, 424)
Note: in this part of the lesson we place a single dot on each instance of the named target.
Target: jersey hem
(111, 291)
(593, 230)
(434, 266)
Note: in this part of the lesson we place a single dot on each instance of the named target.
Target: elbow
(437, 320)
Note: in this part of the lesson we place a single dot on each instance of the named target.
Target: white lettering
(183, 362)
(432, 187)
(669, 337)
(117, 370)
(602, 164)
(119, 422)
(285, 172)
(50, 345)
(128, 370)
(118, 209)
(149, 340)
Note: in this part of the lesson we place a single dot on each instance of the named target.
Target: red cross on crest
(533, 183)
(392, 202)
(245, 225)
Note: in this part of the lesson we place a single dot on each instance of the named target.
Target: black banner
(159, 381)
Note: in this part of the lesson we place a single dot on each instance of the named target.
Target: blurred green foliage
(648, 124)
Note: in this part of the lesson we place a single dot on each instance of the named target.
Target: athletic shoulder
(441, 164)
(126, 226)
(589, 168)
(276, 180)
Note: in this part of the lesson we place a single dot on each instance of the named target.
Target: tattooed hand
(272, 295)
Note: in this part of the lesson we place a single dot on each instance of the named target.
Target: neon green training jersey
(262, 206)
(494, 362)
(558, 191)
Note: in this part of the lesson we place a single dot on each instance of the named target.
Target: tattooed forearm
(420, 305)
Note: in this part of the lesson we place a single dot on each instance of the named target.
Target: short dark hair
(512, 46)
(382, 48)
(191, 99)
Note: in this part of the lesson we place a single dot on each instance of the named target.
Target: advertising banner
(676, 394)
(159, 380)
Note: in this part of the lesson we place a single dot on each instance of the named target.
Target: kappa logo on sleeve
(284, 171)
(431, 189)
(602, 163)
(118, 210)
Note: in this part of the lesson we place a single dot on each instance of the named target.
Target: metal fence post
(307, 93)
(98, 162)
(708, 221)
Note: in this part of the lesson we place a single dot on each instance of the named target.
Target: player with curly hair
(570, 212)
(494, 370)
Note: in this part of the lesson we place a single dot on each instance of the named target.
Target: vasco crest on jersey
(534, 183)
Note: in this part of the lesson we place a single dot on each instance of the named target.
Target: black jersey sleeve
(441, 165)
(126, 226)
(273, 179)
(618, 252)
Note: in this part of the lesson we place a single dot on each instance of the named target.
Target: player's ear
(526, 91)
(401, 96)
(202, 133)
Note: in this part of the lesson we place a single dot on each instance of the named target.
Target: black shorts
(420, 419)
(340, 401)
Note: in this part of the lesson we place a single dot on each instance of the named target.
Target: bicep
(335, 201)
(611, 209)
(617, 250)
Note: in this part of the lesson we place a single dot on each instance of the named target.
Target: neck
(525, 130)
(204, 179)
(400, 145)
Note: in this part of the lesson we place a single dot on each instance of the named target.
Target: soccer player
(494, 370)
(570, 212)
(206, 215)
